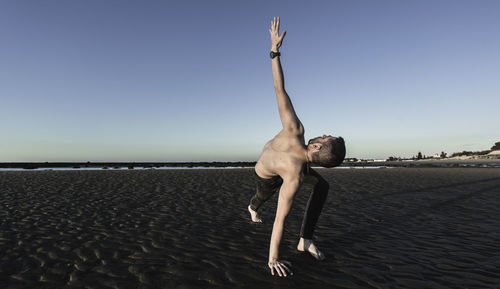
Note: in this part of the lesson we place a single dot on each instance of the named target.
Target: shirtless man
(284, 165)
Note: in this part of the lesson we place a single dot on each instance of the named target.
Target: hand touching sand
(281, 267)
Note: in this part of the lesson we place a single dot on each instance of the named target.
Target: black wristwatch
(274, 54)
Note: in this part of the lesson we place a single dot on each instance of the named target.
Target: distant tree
(443, 155)
(419, 156)
(496, 146)
(471, 153)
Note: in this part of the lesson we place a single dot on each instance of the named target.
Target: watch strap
(273, 54)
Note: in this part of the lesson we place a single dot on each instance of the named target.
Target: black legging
(313, 181)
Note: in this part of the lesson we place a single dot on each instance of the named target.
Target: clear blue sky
(191, 80)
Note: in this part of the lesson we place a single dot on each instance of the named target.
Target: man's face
(321, 139)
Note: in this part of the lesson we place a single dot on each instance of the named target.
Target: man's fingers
(287, 270)
(282, 35)
(286, 266)
(281, 272)
(281, 269)
(278, 24)
(277, 269)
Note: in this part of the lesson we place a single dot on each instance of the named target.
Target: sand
(380, 228)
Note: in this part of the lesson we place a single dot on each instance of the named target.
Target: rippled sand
(380, 228)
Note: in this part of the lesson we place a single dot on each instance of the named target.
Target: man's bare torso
(282, 155)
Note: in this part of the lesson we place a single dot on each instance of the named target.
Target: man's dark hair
(331, 154)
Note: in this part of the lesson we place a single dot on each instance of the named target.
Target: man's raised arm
(289, 119)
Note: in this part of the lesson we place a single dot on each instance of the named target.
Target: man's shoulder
(293, 132)
(286, 141)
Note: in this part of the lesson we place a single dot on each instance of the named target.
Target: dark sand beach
(380, 228)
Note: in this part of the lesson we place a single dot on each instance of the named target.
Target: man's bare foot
(254, 215)
(308, 245)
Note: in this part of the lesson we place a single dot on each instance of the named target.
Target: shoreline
(167, 168)
(38, 166)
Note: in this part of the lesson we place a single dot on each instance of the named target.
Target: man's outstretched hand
(276, 38)
(281, 267)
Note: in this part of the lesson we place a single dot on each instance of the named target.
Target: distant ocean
(167, 168)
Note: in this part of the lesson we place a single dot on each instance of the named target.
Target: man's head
(327, 151)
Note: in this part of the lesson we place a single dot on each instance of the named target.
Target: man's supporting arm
(285, 200)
